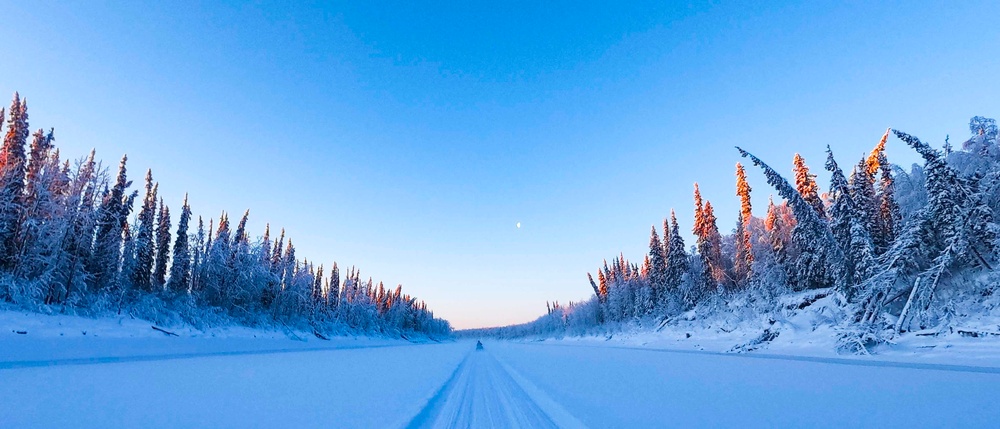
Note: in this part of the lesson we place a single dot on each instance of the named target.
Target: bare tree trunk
(906, 308)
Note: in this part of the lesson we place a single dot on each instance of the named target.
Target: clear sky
(409, 139)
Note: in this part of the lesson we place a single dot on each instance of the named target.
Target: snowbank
(33, 339)
(810, 331)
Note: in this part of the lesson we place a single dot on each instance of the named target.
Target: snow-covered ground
(617, 387)
(70, 371)
(810, 331)
(129, 375)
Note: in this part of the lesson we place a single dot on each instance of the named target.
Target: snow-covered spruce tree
(657, 276)
(704, 240)
(984, 131)
(112, 215)
(36, 202)
(128, 261)
(333, 292)
(216, 273)
(197, 256)
(847, 225)
(878, 196)
(744, 250)
(710, 247)
(180, 270)
(862, 189)
(821, 261)
(805, 184)
(145, 248)
(43, 212)
(317, 290)
(70, 275)
(12, 171)
(677, 262)
(38, 158)
(602, 284)
(778, 232)
(240, 237)
(162, 247)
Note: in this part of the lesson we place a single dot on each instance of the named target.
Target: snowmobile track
(482, 393)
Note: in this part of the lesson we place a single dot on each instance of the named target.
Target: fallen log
(977, 334)
(168, 333)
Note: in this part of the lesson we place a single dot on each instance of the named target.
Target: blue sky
(408, 139)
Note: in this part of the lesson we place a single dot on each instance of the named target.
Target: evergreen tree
(180, 270)
(677, 258)
(12, 172)
(845, 218)
(862, 188)
(317, 289)
(889, 215)
(333, 294)
(776, 230)
(805, 183)
(69, 273)
(744, 248)
(197, 255)
(38, 158)
(241, 236)
(699, 208)
(112, 215)
(145, 249)
(42, 211)
(265, 244)
(128, 265)
(657, 267)
(162, 246)
(710, 249)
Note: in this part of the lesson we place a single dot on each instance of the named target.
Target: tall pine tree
(180, 270)
(162, 246)
(744, 248)
(805, 183)
(12, 171)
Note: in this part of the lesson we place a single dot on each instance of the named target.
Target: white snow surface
(125, 374)
(619, 387)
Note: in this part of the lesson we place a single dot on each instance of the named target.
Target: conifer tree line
(898, 251)
(72, 238)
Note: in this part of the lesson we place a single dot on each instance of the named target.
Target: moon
(518, 225)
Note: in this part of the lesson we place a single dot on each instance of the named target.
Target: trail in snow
(482, 393)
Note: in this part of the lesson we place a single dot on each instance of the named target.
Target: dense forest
(897, 251)
(74, 239)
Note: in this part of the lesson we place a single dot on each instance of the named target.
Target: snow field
(618, 387)
(373, 387)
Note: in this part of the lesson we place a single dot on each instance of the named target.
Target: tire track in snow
(17, 364)
(485, 393)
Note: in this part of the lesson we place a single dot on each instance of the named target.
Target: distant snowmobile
(479, 345)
